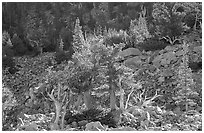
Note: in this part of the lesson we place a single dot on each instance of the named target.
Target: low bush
(152, 44)
(18, 45)
(62, 56)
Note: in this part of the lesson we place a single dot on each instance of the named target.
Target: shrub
(8, 61)
(112, 37)
(18, 45)
(193, 14)
(66, 36)
(168, 22)
(152, 44)
(7, 51)
(6, 39)
(62, 56)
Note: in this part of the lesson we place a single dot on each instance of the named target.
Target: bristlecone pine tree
(94, 56)
(138, 28)
(82, 81)
(78, 38)
(185, 81)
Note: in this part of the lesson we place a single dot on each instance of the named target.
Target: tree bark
(88, 100)
(78, 102)
(58, 107)
(63, 115)
(112, 98)
(121, 99)
(121, 94)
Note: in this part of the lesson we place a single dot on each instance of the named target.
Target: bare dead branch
(59, 89)
(151, 99)
(64, 98)
(21, 121)
(140, 95)
(126, 104)
(52, 96)
(155, 96)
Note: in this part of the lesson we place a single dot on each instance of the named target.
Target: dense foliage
(102, 66)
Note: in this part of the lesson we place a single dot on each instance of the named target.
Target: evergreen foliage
(62, 55)
(169, 22)
(116, 37)
(138, 28)
(186, 83)
(78, 38)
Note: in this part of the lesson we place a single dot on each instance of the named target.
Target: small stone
(82, 123)
(161, 79)
(54, 126)
(74, 124)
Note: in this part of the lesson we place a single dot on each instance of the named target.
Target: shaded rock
(94, 126)
(82, 123)
(106, 118)
(130, 52)
(74, 124)
(54, 126)
(133, 62)
(169, 48)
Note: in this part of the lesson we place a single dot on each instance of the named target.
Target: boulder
(133, 62)
(82, 123)
(130, 52)
(94, 126)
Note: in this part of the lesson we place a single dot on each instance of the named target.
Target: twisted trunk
(121, 99)
(88, 100)
(112, 97)
(78, 102)
(63, 115)
(58, 107)
(121, 95)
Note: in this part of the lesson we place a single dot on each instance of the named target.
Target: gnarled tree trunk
(58, 108)
(122, 99)
(88, 100)
(78, 102)
(112, 97)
